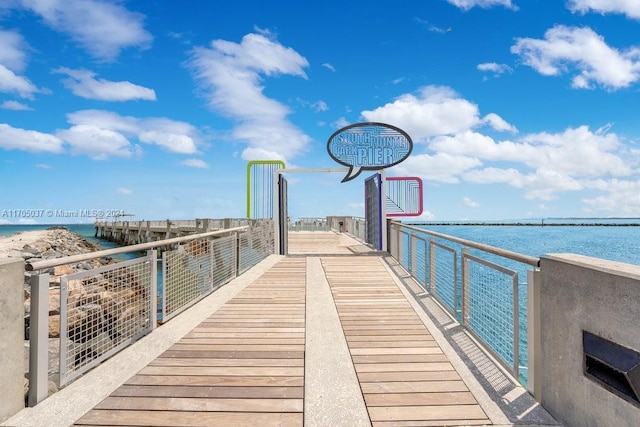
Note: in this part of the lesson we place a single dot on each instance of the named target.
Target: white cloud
(582, 52)
(12, 50)
(543, 184)
(576, 152)
(28, 140)
(15, 105)
(195, 163)
(12, 63)
(12, 83)
(124, 191)
(100, 27)
(470, 202)
(174, 136)
(340, 123)
(329, 67)
(498, 123)
(432, 111)
(441, 167)
(83, 84)
(622, 197)
(468, 4)
(495, 68)
(43, 166)
(320, 106)
(631, 8)
(231, 74)
(96, 142)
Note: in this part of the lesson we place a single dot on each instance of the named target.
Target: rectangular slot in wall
(615, 367)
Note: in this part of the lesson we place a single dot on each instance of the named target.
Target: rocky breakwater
(99, 306)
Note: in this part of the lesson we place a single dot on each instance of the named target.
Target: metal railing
(310, 224)
(484, 288)
(348, 224)
(105, 309)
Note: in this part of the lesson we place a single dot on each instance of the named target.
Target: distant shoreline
(530, 224)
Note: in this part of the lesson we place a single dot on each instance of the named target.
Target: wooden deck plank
(184, 418)
(426, 412)
(203, 361)
(214, 381)
(420, 399)
(200, 404)
(413, 386)
(209, 392)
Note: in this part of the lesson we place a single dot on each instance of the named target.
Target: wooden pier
(326, 336)
(246, 364)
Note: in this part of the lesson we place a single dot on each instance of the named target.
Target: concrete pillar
(11, 337)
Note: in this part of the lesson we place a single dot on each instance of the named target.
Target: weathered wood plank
(435, 386)
(183, 418)
(436, 412)
(209, 392)
(419, 399)
(403, 367)
(214, 381)
(200, 404)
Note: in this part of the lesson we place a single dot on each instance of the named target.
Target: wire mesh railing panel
(492, 310)
(254, 246)
(420, 260)
(404, 249)
(102, 311)
(444, 276)
(187, 276)
(394, 232)
(224, 261)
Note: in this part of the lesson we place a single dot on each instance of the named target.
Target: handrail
(39, 265)
(525, 259)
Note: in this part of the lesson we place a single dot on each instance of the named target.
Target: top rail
(525, 259)
(39, 265)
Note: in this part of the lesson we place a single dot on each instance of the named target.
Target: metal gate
(283, 215)
(373, 210)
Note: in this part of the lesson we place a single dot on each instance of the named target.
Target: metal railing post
(237, 253)
(464, 266)
(534, 278)
(39, 339)
(153, 291)
(432, 266)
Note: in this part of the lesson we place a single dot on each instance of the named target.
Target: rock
(54, 326)
(76, 288)
(87, 326)
(32, 250)
(62, 270)
(54, 301)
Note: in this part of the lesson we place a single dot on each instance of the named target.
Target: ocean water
(614, 243)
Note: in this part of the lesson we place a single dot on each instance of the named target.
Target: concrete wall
(11, 337)
(602, 297)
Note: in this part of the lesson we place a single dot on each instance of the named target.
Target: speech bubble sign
(368, 146)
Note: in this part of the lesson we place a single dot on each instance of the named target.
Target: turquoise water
(619, 243)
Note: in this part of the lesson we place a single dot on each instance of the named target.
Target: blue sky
(517, 109)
